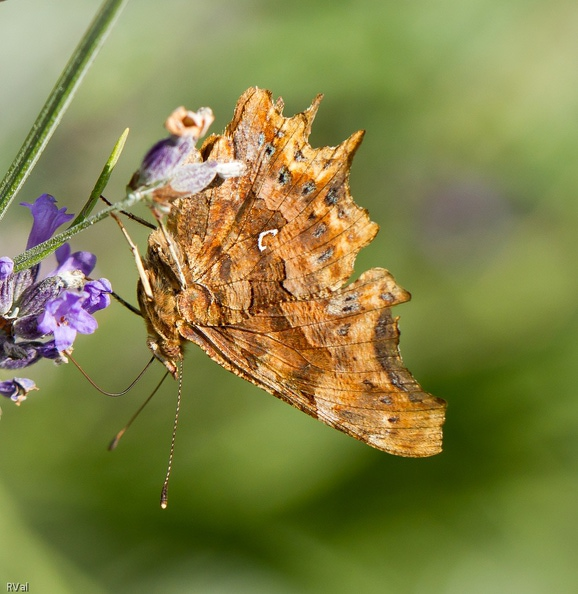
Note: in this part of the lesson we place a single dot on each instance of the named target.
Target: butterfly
(253, 266)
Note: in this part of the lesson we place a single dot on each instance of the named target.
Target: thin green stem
(38, 253)
(58, 101)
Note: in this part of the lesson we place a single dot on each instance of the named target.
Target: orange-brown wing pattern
(337, 359)
(286, 229)
(266, 257)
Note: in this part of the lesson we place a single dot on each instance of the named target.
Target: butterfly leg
(137, 257)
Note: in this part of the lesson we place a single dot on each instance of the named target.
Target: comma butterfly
(253, 268)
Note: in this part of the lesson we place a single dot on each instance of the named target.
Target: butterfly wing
(337, 359)
(288, 228)
(270, 253)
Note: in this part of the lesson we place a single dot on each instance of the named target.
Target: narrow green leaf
(102, 180)
(58, 101)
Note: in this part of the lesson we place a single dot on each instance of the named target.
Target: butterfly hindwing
(266, 258)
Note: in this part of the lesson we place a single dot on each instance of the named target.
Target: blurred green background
(469, 167)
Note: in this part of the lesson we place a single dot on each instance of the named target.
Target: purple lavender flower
(47, 218)
(17, 389)
(67, 262)
(64, 317)
(6, 267)
(41, 318)
(176, 162)
(98, 295)
(164, 158)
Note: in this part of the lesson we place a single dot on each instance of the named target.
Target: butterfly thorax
(174, 305)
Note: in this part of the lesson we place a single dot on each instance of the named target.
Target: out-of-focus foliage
(469, 167)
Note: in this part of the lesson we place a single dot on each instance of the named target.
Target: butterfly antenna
(117, 437)
(164, 491)
(94, 385)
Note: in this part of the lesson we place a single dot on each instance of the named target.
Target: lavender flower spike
(41, 318)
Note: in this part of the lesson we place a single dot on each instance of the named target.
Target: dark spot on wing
(332, 197)
(326, 255)
(308, 188)
(284, 176)
(319, 230)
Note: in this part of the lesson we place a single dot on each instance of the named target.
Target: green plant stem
(38, 253)
(58, 101)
